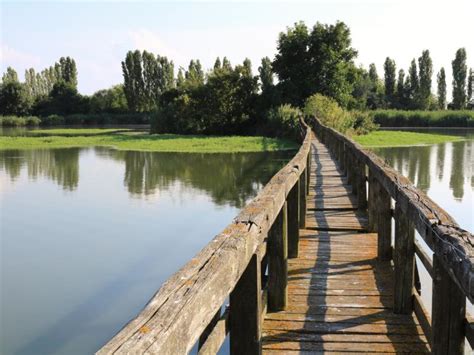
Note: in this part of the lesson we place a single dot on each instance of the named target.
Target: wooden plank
(278, 263)
(302, 199)
(336, 220)
(424, 257)
(404, 263)
(245, 311)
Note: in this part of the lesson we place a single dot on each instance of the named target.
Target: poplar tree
(266, 74)
(180, 81)
(217, 63)
(10, 76)
(425, 73)
(401, 99)
(470, 83)
(373, 76)
(413, 88)
(441, 89)
(459, 79)
(226, 64)
(390, 80)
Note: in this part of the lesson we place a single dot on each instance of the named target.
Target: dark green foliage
(412, 86)
(222, 104)
(76, 119)
(390, 81)
(63, 100)
(402, 99)
(441, 89)
(425, 73)
(111, 100)
(459, 79)
(283, 121)
(396, 118)
(314, 62)
(10, 76)
(13, 99)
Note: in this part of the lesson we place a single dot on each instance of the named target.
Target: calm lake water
(88, 235)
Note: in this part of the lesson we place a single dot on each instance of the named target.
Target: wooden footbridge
(313, 265)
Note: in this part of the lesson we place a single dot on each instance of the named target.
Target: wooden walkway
(339, 298)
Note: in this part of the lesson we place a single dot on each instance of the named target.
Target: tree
(217, 63)
(470, 83)
(390, 80)
(374, 77)
(180, 79)
(110, 100)
(68, 71)
(63, 100)
(194, 76)
(10, 76)
(459, 79)
(401, 97)
(266, 74)
(425, 74)
(413, 86)
(13, 97)
(441, 89)
(314, 62)
(134, 84)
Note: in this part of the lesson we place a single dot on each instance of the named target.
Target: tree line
(231, 99)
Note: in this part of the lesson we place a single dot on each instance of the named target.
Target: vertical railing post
(383, 203)
(308, 170)
(293, 220)
(278, 262)
(360, 181)
(372, 202)
(448, 312)
(404, 262)
(302, 199)
(246, 310)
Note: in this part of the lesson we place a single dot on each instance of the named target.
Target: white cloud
(11, 57)
(144, 39)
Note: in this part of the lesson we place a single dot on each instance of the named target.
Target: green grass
(156, 142)
(70, 132)
(401, 138)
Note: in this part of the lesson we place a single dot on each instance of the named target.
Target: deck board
(339, 298)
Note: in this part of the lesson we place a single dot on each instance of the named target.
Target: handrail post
(246, 310)
(293, 220)
(448, 312)
(302, 199)
(380, 218)
(278, 262)
(404, 262)
(360, 181)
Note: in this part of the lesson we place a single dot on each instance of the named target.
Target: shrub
(398, 118)
(328, 112)
(363, 122)
(15, 121)
(283, 121)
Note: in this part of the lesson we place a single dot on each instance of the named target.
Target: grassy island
(127, 140)
(401, 138)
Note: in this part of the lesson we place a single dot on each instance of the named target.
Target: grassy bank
(401, 138)
(147, 142)
(445, 118)
(72, 132)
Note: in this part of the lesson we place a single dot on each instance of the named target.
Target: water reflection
(59, 165)
(452, 160)
(227, 178)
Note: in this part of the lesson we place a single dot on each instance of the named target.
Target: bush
(283, 121)
(328, 112)
(15, 121)
(398, 118)
(363, 122)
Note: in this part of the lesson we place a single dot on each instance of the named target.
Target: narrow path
(339, 298)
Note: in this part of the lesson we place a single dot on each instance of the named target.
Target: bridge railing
(449, 260)
(191, 306)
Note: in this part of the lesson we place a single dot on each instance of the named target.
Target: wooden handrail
(190, 300)
(452, 264)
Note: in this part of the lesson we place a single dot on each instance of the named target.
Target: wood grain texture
(340, 299)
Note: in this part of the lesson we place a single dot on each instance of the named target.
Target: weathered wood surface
(340, 299)
(453, 245)
(176, 316)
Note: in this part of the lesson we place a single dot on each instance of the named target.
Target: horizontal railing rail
(188, 308)
(452, 265)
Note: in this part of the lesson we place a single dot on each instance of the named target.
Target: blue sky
(99, 33)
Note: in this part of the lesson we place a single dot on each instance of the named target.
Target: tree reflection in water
(228, 178)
